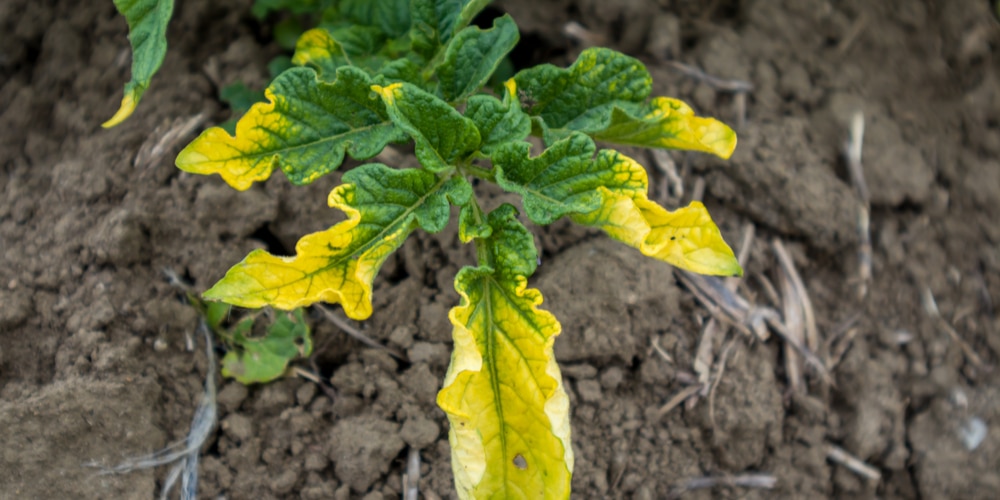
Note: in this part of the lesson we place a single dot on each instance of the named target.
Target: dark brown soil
(93, 364)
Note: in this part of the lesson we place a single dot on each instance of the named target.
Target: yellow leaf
(672, 124)
(686, 238)
(509, 413)
(129, 101)
(383, 206)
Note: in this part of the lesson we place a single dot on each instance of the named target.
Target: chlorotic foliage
(382, 72)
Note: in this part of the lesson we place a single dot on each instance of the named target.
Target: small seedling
(375, 73)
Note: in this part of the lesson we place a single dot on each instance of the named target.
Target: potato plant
(375, 73)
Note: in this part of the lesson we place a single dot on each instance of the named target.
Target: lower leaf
(383, 205)
(503, 393)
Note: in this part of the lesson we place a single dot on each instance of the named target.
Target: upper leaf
(604, 94)
(503, 394)
(473, 56)
(147, 33)
(264, 359)
(390, 16)
(436, 21)
(306, 128)
(442, 135)
(318, 49)
(383, 205)
(498, 122)
(564, 178)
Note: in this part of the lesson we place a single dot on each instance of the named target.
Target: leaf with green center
(383, 205)
(258, 360)
(498, 122)
(305, 128)
(147, 33)
(565, 178)
(604, 94)
(473, 56)
(436, 21)
(503, 393)
(442, 135)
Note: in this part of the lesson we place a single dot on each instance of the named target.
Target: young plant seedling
(380, 72)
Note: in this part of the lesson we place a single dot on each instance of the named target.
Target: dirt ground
(93, 357)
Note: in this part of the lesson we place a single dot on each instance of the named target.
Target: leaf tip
(129, 101)
(388, 93)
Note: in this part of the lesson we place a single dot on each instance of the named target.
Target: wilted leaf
(503, 394)
(255, 360)
(383, 205)
(603, 94)
(147, 32)
(305, 129)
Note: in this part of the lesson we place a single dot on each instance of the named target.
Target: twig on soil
(583, 36)
(703, 356)
(673, 184)
(792, 312)
(676, 400)
(845, 43)
(357, 335)
(852, 154)
(718, 377)
(763, 481)
(809, 317)
(931, 308)
(725, 85)
(859, 467)
(837, 351)
(654, 344)
(160, 141)
(698, 191)
(738, 88)
(411, 479)
(182, 454)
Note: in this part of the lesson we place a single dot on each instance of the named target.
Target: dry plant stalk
(763, 481)
(357, 335)
(703, 356)
(858, 466)
(852, 153)
(931, 308)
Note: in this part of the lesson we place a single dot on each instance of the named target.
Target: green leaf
(239, 97)
(305, 128)
(564, 178)
(258, 360)
(436, 21)
(261, 8)
(604, 94)
(508, 412)
(383, 205)
(287, 33)
(472, 223)
(390, 16)
(442, 135)
(147, 32)
(581, 97)
(473, 56)
(498, 122)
